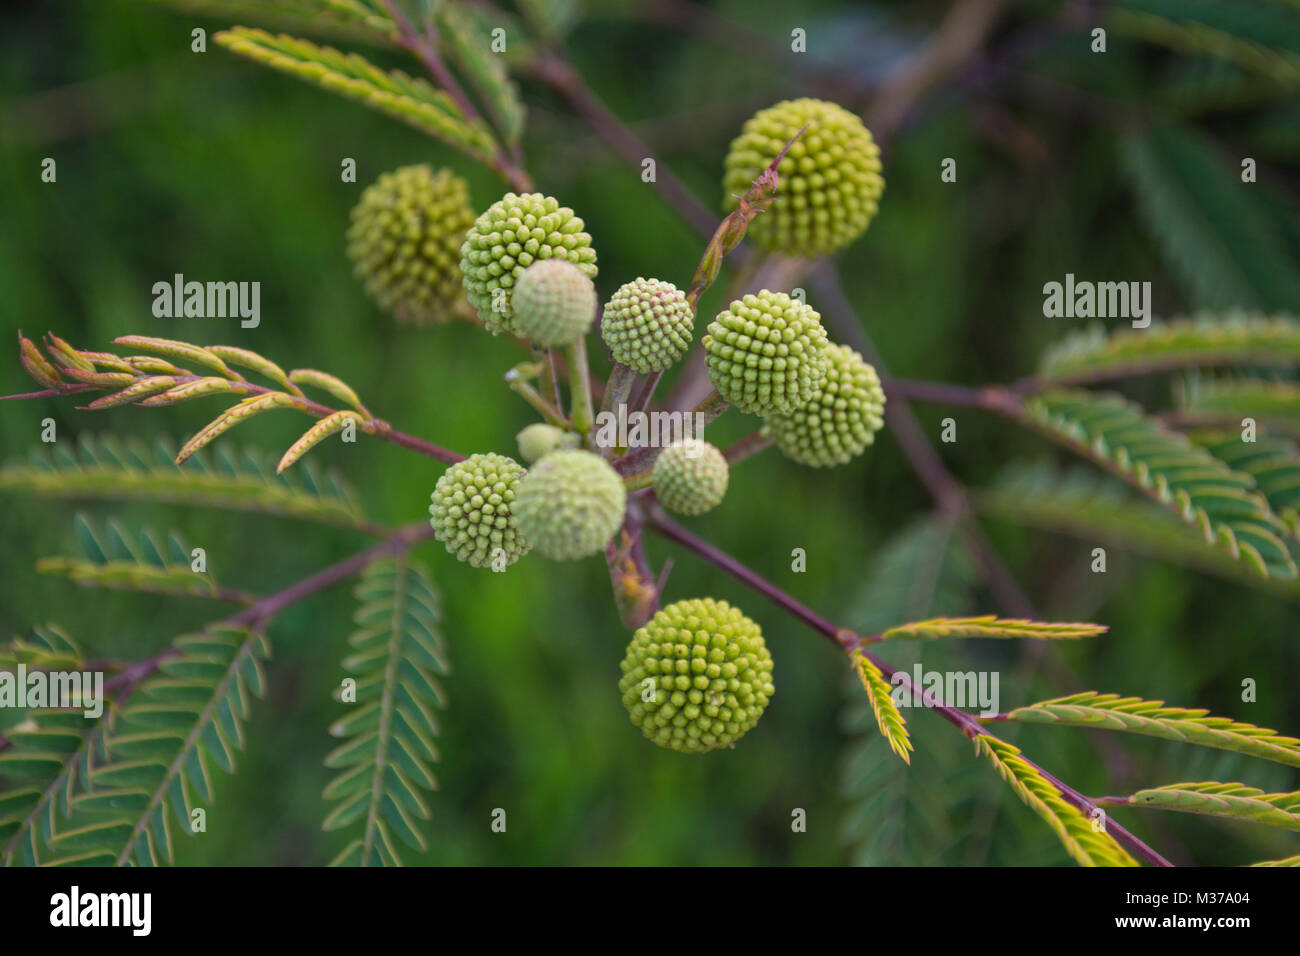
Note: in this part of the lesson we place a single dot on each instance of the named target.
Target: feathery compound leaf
(183, 351)
(1262, 35)
(1205, 339)
(413, 101)
(156, 758)
(46, 647)
(1086, 845)
(888, 718)
(128, 563)
(233, 416)
(1165, 465)
(330, 425)
(109, 469)
(1221, 239)
(361, 20)
(398, 655)
(989, 626)
(1275, 404)
(329, 383)
(1153, 719)
(1274, 463)
(469, 43)
(1233, 800)
(1094, 507)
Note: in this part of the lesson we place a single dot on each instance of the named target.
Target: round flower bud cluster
(648, 325)
(405, 239)
(554, 302)
(690, 477)
(515, 232)
(829, 182)
(697, 676)
(840, 420)
(570, 504)
(473, 511)
(539, 439)
(764, 353)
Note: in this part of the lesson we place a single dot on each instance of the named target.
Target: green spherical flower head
(570, 504)
(830, 182)
(690, 477)
(510, 236)
(840, 420)
(764, 353)
(473, 511)
(405, 239)
(697, 677)
(540, 439)
(648, 325)
(554, 302)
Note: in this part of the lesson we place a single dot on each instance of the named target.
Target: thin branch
(850, 642)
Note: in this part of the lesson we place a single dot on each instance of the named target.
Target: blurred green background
(171, 161)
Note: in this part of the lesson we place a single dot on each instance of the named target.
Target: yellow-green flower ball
(570, 504)
(830, 182)
(648, 325)
(697, 676)
(840, 420)
(554, 302)
(690, 477)
(510, 236)
(764, 353)
(540, 439)
(473, 511)
(405, 239)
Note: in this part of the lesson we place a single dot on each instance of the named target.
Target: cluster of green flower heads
(648, 325)
(690, 477)
(830, 180)
(697, 676)
(472, 511)
(570, 504)
(765, 353)
(554, 302)
(841, 418)
(405, 239)
(512, 234)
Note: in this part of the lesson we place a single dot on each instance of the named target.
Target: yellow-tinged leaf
(233, 416)
(888, 718)
(317, 433)
(257, 363)
(36, 365)
(990, 626)
(329, 383)
(134, 393)
(173, 349)
(188, 390)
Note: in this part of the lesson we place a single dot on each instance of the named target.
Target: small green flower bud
(570, 504)
(554, 302)
(764, 353)
(840, 420)
(690, 477)
(510, 236)
(648, 325)
(697, 676)
(830, 182)
(405, 240)
(540, 439)
(473, 511)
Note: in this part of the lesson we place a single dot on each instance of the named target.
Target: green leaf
(1260, 35)
(989, 626)
(399, 654)
(1220, 238)
(1095, 508)
(1232, 800)
(1085, 844)
(468, 40)
(413, 101)
(1153, 719)
(133, 563)
(361, 20)
(107, 468)
(1274, 463)
(888, 718)
(46, 647)
(1229, 401)
(1163, 464)
(1207, 339)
